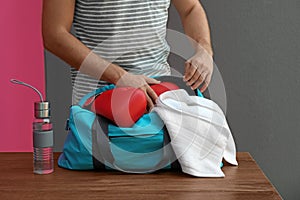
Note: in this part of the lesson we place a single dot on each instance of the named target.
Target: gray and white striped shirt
(129, 33)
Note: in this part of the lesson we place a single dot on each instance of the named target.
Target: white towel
(200, 135)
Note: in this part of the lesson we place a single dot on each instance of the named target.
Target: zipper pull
(67, 128)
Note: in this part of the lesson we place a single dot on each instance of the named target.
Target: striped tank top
(129, 33)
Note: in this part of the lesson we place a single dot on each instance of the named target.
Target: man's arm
(57, 21)
(199, 68)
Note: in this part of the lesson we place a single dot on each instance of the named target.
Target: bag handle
(112, 86)
(94, 93)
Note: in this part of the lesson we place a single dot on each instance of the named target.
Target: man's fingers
(204, 87)
(151, 80)
(206, 83)
(198, 71)
(195, 78)
(199, 81)
(150, 104)
(189, 71)
(150, 96)
(151, 93)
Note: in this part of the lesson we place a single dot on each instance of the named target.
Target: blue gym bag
(94, 143)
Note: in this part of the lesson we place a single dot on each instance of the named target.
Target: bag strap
(178, 81)
(102, 154)
(98, 91)
(101, 151)
(198, 93)
(94, 93)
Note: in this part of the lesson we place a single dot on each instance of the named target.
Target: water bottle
(42, 134)
(42, 139)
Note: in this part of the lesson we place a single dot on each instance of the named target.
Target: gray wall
(256, 49)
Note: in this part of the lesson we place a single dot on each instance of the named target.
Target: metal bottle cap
(42, 109)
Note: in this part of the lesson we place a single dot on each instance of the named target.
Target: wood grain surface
(17, 181)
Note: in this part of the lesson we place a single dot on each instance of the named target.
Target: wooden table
(17, 181)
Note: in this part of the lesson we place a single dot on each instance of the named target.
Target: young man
(123, 41)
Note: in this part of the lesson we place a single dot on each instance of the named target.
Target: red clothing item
(124, 106)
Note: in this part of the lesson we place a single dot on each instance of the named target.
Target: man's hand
(198, 70)
(142, 82)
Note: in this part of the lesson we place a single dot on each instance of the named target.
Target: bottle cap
(42, 109)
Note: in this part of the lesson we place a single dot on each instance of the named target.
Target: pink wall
(22, 57)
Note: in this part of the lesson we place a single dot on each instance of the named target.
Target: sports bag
(94, 142)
